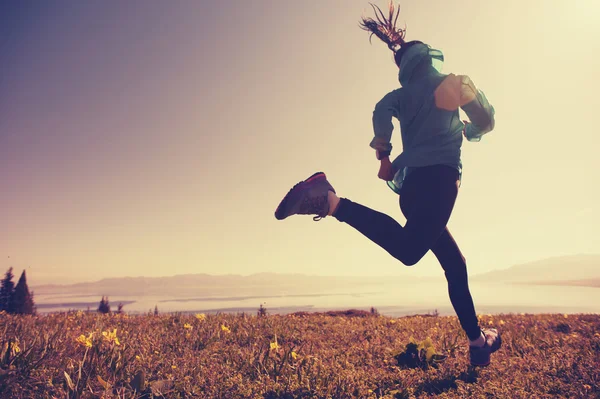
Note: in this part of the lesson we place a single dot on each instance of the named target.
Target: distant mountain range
(205, 285)
(564, 270)
(567, 270)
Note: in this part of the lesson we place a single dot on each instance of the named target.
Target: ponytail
(385, 28)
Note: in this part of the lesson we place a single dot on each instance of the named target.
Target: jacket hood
(413, 56)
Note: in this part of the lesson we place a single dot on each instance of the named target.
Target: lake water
(389, 300)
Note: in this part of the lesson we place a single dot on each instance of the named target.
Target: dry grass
(293, 356)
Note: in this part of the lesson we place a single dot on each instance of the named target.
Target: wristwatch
(382, 154)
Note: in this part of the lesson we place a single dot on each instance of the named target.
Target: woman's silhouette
(426, 175)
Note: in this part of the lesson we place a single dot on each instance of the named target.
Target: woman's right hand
(386, 170)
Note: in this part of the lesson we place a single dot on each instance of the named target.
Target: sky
(147, 138)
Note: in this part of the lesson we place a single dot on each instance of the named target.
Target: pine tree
(155, 310)
(104, 307)
(6, 291)
(22, 299)
(262, 311)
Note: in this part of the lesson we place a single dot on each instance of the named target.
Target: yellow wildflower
(501, 322)
(275, 345)
(173, 367)
(15, 346)
(111, 336)
(224, 328)
(80, 339)
(138, 357)
(85, 341)
(201, 316)
(294, 355)
(187, 326)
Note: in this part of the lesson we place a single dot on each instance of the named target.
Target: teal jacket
(427, 106)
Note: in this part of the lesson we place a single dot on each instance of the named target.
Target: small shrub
(421, 355)
(563, 328)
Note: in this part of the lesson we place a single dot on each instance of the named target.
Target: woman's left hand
(386, 170)
(464, 131)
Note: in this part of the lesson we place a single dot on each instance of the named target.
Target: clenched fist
(386, 170)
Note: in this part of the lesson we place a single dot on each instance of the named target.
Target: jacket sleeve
(477, 108)
(385, 110)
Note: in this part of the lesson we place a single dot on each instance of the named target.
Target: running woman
(426, 175)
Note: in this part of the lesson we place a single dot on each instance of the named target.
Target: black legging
(427, 198)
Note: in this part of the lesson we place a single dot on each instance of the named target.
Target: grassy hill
(340, 355)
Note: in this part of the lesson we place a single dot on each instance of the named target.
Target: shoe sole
(279, 215)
